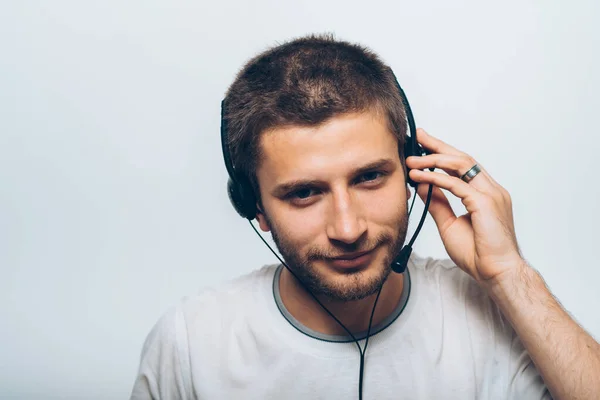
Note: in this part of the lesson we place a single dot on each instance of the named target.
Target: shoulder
(467, 317)
(233, 297)
(451, 298)
(236, 294)
(210, 306)
(200, 321)
(448, 293)
(470, 312)
(211, 301)
(455, 290)
(442, 271)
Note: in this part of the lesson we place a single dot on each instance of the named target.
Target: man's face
(334, 197)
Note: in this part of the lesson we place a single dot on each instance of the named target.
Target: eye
(302, 195)
(371, 176)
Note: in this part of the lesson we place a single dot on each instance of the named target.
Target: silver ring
(470, 174)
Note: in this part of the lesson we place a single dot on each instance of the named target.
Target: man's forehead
(340, 144)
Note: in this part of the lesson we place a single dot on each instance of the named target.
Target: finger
(436, 145)
(439, 207)
(467, 193)
(455, 166)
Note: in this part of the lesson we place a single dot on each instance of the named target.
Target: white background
(112, 186)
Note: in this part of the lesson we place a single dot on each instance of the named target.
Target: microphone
(401, 261)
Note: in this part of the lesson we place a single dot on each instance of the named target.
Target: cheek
(386, 206)
(302, 228)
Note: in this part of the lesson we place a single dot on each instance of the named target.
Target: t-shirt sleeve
(525, 382)
(164, 370)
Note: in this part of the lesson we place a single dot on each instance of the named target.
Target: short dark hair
(305, 82)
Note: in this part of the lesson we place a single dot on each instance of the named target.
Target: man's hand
(482, 242)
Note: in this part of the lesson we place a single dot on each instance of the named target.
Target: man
(316, 127)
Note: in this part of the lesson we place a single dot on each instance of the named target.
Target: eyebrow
(292, 186)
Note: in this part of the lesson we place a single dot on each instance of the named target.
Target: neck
(354, 315)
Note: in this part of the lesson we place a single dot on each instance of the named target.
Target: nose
(346, 222)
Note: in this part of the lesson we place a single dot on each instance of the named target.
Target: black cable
(429, 193)
(412, 204)
(364, 350)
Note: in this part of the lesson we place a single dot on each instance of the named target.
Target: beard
(353, 285)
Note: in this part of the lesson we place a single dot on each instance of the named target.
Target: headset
(242, 197)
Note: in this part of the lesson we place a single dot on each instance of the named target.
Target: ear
(263, 223)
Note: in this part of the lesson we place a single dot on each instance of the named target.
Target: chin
(352, 283)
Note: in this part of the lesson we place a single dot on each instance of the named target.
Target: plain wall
(112, 185)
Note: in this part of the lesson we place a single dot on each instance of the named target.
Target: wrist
(510, 280)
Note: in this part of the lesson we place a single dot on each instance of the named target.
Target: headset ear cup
(413, 150)
(409, 152)
(235, 197)
(243, 202)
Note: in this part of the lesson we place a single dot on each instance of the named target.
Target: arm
(567, 358)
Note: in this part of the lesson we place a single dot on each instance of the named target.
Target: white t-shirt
(446, 340)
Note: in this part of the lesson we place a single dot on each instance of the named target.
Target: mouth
(353, 260)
